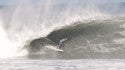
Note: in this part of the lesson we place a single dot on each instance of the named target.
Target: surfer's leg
(61, 45)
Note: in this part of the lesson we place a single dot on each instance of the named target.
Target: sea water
(95, 31)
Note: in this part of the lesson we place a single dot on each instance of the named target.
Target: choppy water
(81, 64)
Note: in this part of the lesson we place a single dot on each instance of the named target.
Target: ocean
(30, 33)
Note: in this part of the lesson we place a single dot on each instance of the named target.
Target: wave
(87, 39)
(25, 23)
(94, 39)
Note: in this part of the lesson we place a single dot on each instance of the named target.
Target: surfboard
(54, 48)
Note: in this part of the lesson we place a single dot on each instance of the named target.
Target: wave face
(96, 39)
(92, 29)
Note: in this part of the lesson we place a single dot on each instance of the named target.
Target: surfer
(62, 42)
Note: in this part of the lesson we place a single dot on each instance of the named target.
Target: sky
(11, 2)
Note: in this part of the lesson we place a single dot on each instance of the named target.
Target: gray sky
(11, 2)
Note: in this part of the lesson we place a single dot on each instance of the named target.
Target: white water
(84, 64)
(8, 48)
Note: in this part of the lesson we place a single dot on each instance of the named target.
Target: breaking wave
(91, 32)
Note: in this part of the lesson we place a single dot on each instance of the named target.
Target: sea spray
(29, 22)
(7, 47)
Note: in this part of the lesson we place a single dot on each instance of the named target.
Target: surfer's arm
(63, 40)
